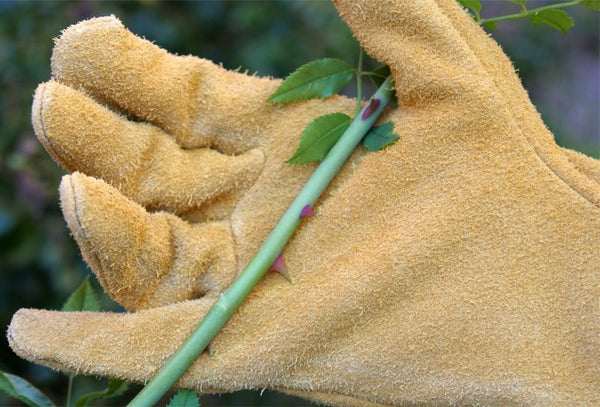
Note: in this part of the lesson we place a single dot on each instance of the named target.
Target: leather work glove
(458, 266)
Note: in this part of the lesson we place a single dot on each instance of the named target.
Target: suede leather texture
(459, 266)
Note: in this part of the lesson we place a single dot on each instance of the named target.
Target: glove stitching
(508, 106)
(192, 110)
(579, 166)
(134, 182)
(234, 249)
(94, 257)
(144, 297)
(44, 135)
(236, 239)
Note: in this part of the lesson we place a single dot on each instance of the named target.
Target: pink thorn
(371, 107)
(279, 266)
(306, 211)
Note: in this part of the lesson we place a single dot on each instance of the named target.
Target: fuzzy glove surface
(458, 266)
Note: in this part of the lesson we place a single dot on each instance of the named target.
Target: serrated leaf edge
(298, 152)
(390, 133)
(551, 23)
(276, 94)
(181, 393)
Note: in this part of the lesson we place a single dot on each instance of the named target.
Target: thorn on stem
(306, 211)
(209, 349)
(371, 107)
(279, 266)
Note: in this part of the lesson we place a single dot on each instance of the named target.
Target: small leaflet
(319, 137)
(317, 79)
(184, 398)
(591, 4)
(490, 25)
(557, 19)
(474, 5)
(380, 137)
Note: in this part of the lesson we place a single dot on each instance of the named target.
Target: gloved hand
(457, 266)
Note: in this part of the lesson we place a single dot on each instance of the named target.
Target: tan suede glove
(458, 266)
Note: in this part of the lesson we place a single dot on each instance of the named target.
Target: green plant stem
(70, 389)
(231, 299)
(373, 74)
(527, 13)
(359, 81)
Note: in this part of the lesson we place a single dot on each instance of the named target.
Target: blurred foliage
(40, 264)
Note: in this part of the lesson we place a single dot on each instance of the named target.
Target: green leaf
(184, 398)
(491, 25)
(319, 136)
(316, 79)
(592, 4)
(83, 298)
(557, 19)
(380, 137)
(115, 388)
(22, 390)
(474, 5)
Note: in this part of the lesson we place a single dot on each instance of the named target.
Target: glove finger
(431, 63)
(145, 260)
(497, 66)
(508, 88)
(190, 98)
(140, 159)
(132, 346)
(454, 84)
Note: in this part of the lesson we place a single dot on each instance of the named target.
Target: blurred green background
(39, 262)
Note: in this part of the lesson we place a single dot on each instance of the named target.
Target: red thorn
(306, 211)
(371, 107)
(279, 266)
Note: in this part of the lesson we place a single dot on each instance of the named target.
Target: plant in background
(550, 15)
(82, 299)
(330, 139)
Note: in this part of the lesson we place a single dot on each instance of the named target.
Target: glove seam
(145, 297)
(134, 184)
(577, 165)
(574, 183)
(44, 134)
(104, 282)
(234, 236)
(196, 76)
